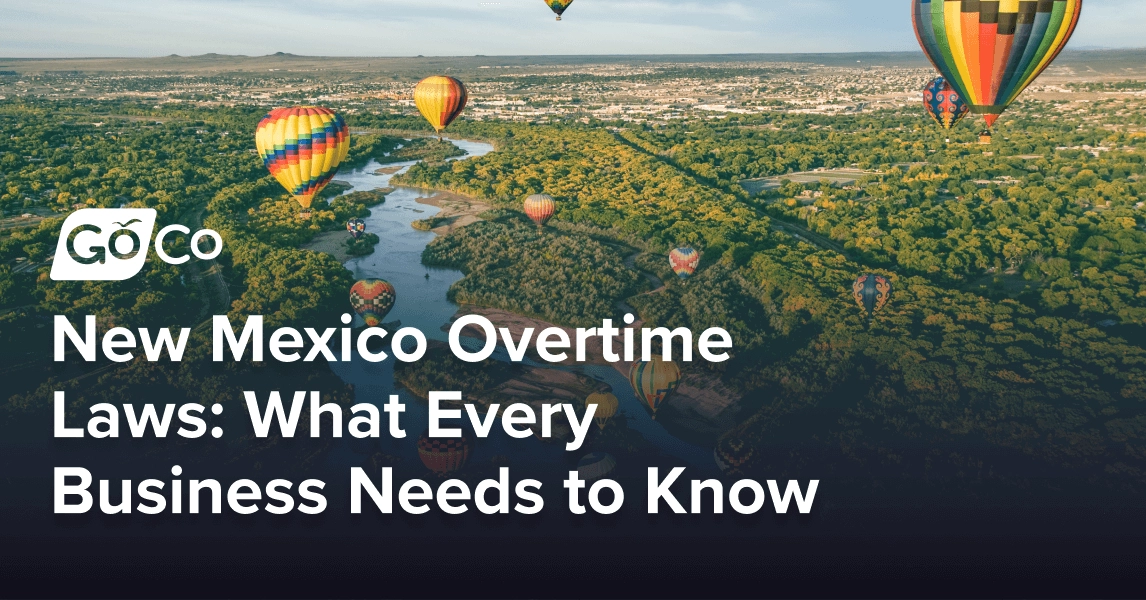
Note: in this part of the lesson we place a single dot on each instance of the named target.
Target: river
(422, 304)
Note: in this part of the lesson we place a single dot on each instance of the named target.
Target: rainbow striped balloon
(654, 381)
(440, 99)
(991, 50)
(302, 147)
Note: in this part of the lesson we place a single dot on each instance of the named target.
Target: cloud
(466, 27)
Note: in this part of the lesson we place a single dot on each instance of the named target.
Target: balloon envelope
(607, 405)
(684, 262)
(654, 381)
(991, 51)
(596, 465)
(372, 299)
(444, 455)
(871, 292)
(302, 147)
(356, 227)
(440, 99)
(943, 103)
(540, 208)
(731, 454)
(558, 6)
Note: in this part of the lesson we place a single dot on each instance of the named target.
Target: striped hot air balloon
(596, 465)
(440, 99)
(558, 6)
(540, 208)
(444, 455)
(372, 299)
(991, 50)
(654, 381)
(945, 106)
(302, 147)
(684, 262)
(607, 405)
(871, 292)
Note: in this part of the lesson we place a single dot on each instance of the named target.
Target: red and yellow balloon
(444, 455)
(540, 208)
(440, 99)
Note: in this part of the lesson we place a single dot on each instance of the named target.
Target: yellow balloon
(654, 381)
(440, 99)
(607, 405)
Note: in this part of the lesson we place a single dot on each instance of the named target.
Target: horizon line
(436, 56)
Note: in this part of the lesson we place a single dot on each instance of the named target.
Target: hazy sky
(31, 28)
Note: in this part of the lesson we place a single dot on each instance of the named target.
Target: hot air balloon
(684, 262)
(356, 227)
(872, 292)
(440, 99)
(444, 455)
(540, 208)
(302, 147)
(558, 6)
(991, 51)
(607, 405)
(943, 103)
(595, 465)
(372, 299)
(654, 381)
(731, 454)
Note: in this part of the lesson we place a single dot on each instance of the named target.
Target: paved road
(809, 236)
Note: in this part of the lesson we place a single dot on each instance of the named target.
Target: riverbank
(456, 210)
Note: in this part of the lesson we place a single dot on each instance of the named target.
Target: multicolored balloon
(991, 51)
(943, 103)
(684, 262)
(540, 208)
(302, 147)
(373, 299)
(558, 6)
(654, 381)
(440, 99)
(444, 455)
(595, 465)
(871, 292)
(607, 405)
(731, 454)
(356, 227)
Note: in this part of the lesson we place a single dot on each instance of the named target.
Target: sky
(82, 28)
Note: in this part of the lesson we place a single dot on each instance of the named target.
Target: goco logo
(110, 244)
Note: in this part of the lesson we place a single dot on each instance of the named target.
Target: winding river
(422, 304)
